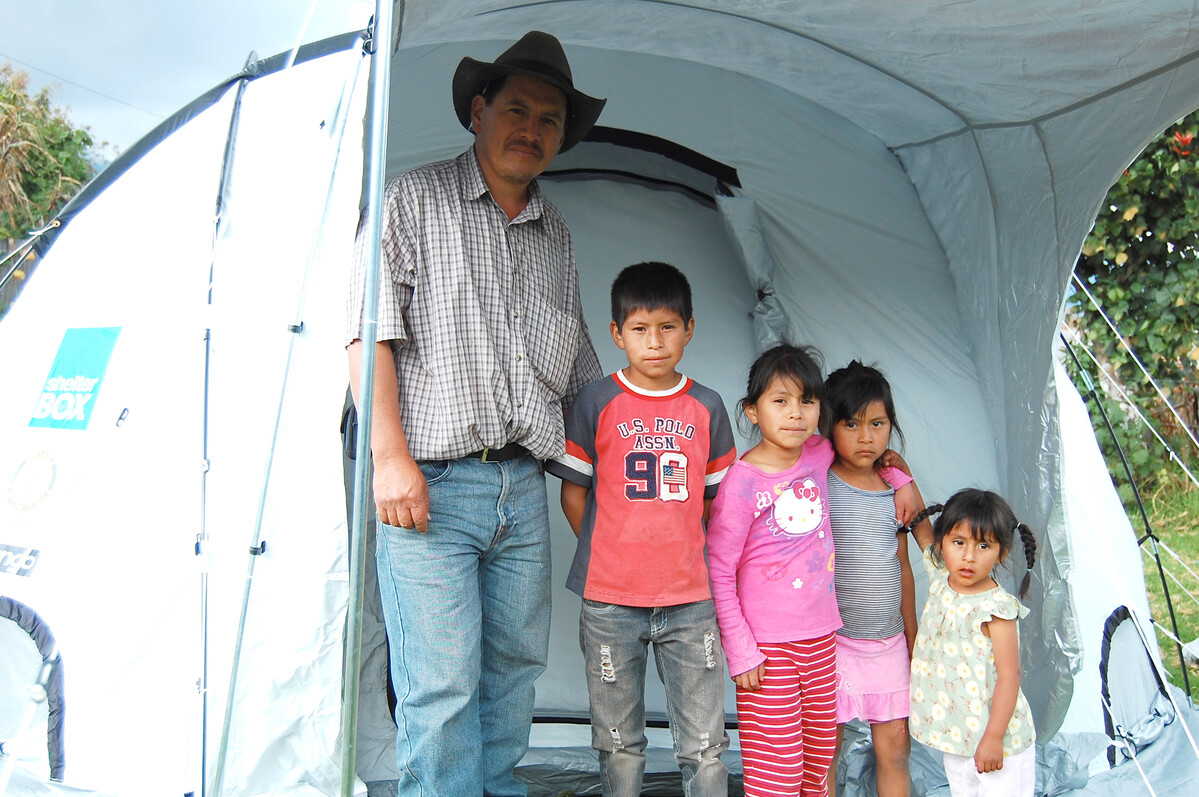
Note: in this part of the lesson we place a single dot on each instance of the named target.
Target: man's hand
(401, 493)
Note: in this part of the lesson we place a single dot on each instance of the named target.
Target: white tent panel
(277, 383)
(1101, 546)
(116, 509)
(115, 579)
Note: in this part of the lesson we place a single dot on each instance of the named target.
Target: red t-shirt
(648, 459)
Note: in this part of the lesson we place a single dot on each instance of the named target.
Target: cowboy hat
(538, 55)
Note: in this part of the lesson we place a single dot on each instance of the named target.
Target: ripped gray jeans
(615, 642)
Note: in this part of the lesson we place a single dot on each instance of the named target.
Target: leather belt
(510, 451)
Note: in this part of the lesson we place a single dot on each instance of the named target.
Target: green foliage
(44, 159)
(1140, 261)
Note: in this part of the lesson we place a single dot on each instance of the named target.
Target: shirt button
(519, 358)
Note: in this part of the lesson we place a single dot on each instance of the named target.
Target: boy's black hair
(801, 364)
(851, 390)
(983, 512)
(650, 286)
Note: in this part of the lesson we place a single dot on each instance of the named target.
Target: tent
(904, 183)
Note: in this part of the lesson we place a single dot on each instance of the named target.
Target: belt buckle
(484, 458)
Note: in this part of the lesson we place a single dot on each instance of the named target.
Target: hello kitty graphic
(798, 511)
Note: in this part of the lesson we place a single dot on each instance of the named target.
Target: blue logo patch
(17, 561)
(75, 378)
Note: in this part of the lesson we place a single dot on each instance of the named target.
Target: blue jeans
(467, 609)
(690, 661)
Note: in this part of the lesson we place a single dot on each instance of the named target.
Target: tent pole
(202, 534)
(379, 45)
(18, 257)
(25, 252)
(1092, 393)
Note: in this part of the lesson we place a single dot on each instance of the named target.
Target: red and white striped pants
(788, 728)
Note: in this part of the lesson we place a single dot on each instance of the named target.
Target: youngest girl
(966, 698)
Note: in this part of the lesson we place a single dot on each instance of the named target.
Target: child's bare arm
(989, 755)
(922, 533)
(574, 500)
(907, 503)
(907, 600)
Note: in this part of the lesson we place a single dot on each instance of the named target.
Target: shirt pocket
(551, 342)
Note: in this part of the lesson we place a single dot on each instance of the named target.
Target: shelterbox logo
(75, 378)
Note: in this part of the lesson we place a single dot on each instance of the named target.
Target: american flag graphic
(674, 474)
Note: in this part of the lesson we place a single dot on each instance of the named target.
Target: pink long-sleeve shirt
(770, 553)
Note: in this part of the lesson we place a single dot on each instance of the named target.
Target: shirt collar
(670, 391)
(474, 187)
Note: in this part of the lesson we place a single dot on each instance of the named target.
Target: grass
(1173, 510)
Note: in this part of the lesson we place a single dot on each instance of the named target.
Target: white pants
(1018, 778)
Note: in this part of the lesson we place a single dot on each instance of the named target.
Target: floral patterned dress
(953, 669)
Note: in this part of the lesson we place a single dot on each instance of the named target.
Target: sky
(119, 67)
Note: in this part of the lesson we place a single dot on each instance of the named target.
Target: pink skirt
(873, 676)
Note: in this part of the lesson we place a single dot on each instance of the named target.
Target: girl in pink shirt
(771, 558)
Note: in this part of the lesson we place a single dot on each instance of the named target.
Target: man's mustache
(533, 145)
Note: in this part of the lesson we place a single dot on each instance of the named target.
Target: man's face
(519, 133)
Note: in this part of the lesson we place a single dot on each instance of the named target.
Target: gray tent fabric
(914, 182)
(1136, 709)
(48, 680)
(771, 325)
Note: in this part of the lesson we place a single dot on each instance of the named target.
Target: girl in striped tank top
(875, 586)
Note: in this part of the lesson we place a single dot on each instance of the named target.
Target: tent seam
(1036, 121)
(773, 26)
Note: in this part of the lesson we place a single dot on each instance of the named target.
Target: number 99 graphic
(653, 476)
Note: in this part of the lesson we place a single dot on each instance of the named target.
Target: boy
(645, 450)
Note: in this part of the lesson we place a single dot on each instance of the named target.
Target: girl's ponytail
(923, 516)
(1029, 541)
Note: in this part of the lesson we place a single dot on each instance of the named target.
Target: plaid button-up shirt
(483, 314)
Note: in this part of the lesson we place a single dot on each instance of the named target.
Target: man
(481, 338)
